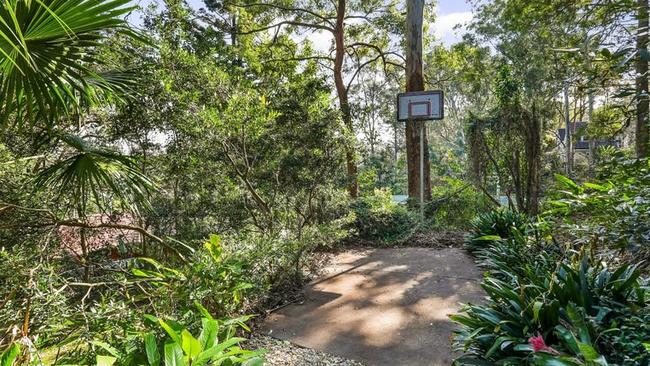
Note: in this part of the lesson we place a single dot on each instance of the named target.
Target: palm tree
(50, 53)
(95, 175)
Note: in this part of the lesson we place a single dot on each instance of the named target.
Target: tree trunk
(415, 82)
(568, 140)
(533, 162)
(642, 81)
(344, 103)
(592, 139)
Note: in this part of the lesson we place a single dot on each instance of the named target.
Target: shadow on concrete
(383, 306)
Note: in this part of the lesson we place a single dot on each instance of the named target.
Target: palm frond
(96, 175)
(49, 54)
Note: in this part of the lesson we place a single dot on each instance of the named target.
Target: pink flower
(540, 346)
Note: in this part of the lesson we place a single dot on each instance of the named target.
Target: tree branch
(285, 8)
(300, 59)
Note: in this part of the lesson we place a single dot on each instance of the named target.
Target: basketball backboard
(424, 105)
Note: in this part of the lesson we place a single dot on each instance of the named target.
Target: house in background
(581, 144)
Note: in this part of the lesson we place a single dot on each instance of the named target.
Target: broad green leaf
(567, 182)
(568, 338)
(204, 312)
(497, 345)
(209, 331)
(191, 346)
(10, 355)
(173, 354)
(587, 351)
(596, 187)
(537, 306)
(108, 348)
(172, 333)
(105, 360)
(209, 354)
(151, 349)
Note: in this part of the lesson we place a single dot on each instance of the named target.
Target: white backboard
(424, 105)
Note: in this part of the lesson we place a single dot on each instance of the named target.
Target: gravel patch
(283, 353)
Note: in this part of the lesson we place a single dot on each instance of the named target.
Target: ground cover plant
(550, 304)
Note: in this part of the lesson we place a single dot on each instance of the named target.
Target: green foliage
(95, 175)
(217, 280)
(494, 225)
(576, 303)
(50, 57)
(611, 212)
(9, 355)
(224, 283)
(215, 345)
(606, 122)
(454, 204)
(236, 145)
(507, 88)
(378, 217)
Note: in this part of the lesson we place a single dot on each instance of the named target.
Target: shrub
(167, 342)
(454, 204)
(230, 276)
(497, 224)
(612, 212)
(550, 307)
(378, 217)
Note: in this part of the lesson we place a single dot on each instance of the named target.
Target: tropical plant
(612, 212)
(215, 345)
(95, 175)
(550, 307)
(50, 64)
(496, 224)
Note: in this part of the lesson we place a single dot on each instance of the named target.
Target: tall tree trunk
(568, 140)
(592, 140)
(590, 110)
(415, 82)
(344, 103)
(642, 81)
(533, 162)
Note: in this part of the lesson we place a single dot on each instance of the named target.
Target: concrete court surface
(383, 306)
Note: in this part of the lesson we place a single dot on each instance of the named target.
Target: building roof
(583, 142)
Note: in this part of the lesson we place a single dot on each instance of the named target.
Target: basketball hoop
(421, 106)
(418, 106)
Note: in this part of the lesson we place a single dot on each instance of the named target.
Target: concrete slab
(383, 306)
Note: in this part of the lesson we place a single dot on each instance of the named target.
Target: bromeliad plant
(551, 308)
(497, 224)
